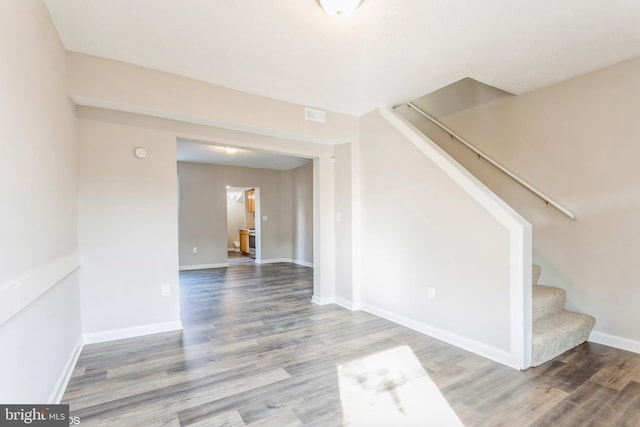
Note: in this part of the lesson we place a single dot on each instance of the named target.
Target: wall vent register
(315, 115)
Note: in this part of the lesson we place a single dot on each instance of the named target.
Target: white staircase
(555, 330)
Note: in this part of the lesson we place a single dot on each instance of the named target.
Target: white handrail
(540, 194)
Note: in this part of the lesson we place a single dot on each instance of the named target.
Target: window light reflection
(391, 388)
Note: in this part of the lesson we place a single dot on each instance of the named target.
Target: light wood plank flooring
(255, 351)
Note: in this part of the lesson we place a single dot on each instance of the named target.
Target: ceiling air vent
(315, 115)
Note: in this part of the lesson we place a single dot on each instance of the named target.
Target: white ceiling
(192, 151)
(387, 52)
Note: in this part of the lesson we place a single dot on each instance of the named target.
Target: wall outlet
(338, 216)
(431, 293)
(265, 218)
(195, 251)
(166, 290)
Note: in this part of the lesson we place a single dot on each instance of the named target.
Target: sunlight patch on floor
(391, 388)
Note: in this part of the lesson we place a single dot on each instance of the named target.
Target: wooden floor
(255, 351)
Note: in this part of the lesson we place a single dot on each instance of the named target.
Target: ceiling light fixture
(339, 7)
(231, 150)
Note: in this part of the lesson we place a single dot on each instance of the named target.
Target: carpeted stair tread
(554, 334)
(547, 300)
(555, 330)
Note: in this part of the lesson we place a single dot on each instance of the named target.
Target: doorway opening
(242, 234)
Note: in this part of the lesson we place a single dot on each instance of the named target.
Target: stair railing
(548, 200)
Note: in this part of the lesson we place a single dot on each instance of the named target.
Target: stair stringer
(520, 238)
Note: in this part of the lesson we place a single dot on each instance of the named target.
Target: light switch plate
(166, 290)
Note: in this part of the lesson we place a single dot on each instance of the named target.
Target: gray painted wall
(302, 180)
(202, 215)
(203, 212)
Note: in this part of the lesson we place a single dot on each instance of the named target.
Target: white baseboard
(322, 301)
(289, 260)
(344, 303)
(233, 250)
(65, 374)
(136, 331)
(615, 341)
(303, 263)
(202, 266)
(273, 260)
(484, 350)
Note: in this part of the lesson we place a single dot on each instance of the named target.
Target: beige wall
(37, 207)
(128, 223)
(99, 82)
(37, 161)
(576, 141)
(419, 229)
(344, 236)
